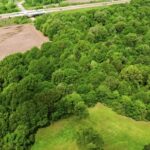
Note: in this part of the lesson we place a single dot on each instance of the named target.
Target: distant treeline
(40, 2)
(99, 55)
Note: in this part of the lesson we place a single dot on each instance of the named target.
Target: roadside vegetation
(13, 21)
(40, 3)
(68, 3)
(7, 6)
(95, 55)
(62, 3)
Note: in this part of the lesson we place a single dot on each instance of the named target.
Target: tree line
(32, 3)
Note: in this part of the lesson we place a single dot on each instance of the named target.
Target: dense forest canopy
(98, 55)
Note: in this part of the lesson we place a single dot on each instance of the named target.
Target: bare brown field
(19, 38)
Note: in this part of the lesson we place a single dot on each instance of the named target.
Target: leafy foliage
(7, 6)
(40, 2)
(147, 147)
(89, 139)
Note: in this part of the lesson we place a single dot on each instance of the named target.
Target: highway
(32, 13)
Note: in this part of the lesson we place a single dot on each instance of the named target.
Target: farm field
(119, 132)
(19, 38)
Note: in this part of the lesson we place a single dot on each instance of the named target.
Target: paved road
(31, 13)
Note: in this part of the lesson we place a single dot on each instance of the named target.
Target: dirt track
(19, 38)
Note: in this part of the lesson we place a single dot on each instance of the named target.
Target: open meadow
(119, 132)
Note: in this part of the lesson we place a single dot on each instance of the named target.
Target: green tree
(97, 33)
(73, 104)
(131, 39)
(120, 26)
(147, 147)
(89, 139)
(101, 17)
(132, 74)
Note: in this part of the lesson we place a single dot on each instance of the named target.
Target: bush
(89, 139)
(147, 147)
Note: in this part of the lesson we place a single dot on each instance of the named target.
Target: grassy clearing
(119, 132)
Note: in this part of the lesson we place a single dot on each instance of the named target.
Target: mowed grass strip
(119, 132)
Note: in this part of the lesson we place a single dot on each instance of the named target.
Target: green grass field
(119, 132)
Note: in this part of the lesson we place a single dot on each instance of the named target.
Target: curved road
(31, 13)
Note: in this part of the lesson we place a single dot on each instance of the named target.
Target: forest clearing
(119, 132)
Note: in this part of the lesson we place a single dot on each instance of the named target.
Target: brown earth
(19, 38)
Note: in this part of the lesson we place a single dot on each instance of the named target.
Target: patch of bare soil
(19, 38)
